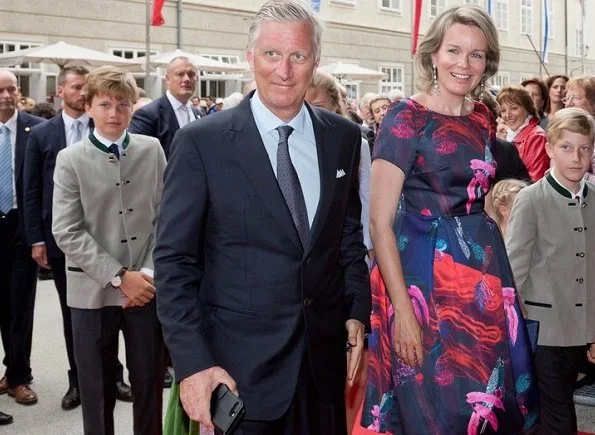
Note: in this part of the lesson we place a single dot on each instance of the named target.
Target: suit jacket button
(581, 254)
(579, 280)
(307, 302)
(580, 229)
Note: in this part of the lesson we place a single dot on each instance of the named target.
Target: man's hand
(40, 255)
(196, 392)
(137, 289)
(355, 340)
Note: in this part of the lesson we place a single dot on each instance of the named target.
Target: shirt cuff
(38, 244)
(147, 271)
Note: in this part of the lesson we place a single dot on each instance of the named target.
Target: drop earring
(435, 86)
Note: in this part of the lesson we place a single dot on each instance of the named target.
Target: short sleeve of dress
(397, 139)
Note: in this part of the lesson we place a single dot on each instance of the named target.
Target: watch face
(116, 281)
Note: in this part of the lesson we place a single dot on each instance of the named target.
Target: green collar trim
(562, 190)
(102, 147)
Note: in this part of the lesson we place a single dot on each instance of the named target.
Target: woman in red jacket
(518, 114)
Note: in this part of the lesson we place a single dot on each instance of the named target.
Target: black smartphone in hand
(227, 409)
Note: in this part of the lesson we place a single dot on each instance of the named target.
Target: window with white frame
(225, 58)
(352, 89)
(472, 2)
(130, 53)
(527, 17)
(502, 14)
(437, 7)
(343, 2)
(524, 77)
(502, 79)
(390, 5)
(8, 46)
(394, 79)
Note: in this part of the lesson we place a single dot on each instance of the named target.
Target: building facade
(375, 34)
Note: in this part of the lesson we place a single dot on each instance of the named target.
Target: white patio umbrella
(351, 71)
(201, 62)
(62, 54)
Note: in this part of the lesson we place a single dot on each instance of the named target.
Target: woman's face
(558, 91)
(319, 97)
(461, 60)
(576, 97)
(379, 108)
(535, 92)
(512, 114)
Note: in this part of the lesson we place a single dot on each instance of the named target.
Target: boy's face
(110, 115)
(571, 156)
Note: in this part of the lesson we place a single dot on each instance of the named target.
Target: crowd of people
(255, 241)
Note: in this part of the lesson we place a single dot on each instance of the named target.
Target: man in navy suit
(166, 115)
(70, 126)
(259, 261)
(18, 271)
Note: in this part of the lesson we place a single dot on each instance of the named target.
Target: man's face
(72, 92)
(9, 93)
(181, 79)
(283, 62)
(110, 115)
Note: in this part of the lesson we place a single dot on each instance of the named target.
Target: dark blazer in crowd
(509, 162)
(235, 287)
(19, 272)
(157, 119)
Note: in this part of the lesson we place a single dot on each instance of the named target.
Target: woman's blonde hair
(503, 194)
(469, 16)
(328, 84)
(587, 83)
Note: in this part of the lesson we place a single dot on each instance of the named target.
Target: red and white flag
(157, 15)
(416, 22)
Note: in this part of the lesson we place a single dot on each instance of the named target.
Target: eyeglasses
(569, 98)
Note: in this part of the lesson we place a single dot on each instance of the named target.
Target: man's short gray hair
(284, 11)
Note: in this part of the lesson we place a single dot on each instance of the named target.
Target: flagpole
(147, 47)
(583, 50)
(179, 19)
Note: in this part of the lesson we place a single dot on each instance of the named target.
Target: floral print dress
(477, 376)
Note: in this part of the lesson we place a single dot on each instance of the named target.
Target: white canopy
(62, 54)
(201, 62)
(351, 71)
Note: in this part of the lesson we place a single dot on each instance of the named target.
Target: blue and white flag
(315, 4)
(546, 31)
(490, 6)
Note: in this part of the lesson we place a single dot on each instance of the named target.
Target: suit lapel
(244, 138)
(23, 129)
(59, 132)
(326, 149)
(169, 115)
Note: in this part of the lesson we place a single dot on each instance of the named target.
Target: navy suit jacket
(235, 288)
(157, 119)
(45, 141)
(25, 123)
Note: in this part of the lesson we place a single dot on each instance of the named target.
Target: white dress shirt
(302, 149)
(69, 121)
(179, 111)
(11, 124)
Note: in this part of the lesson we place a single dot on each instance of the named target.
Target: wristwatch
(116, 281)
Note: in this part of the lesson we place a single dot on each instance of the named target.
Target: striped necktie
(6, 172)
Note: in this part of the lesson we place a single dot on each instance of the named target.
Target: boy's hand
(591, 353)
(137, 289)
